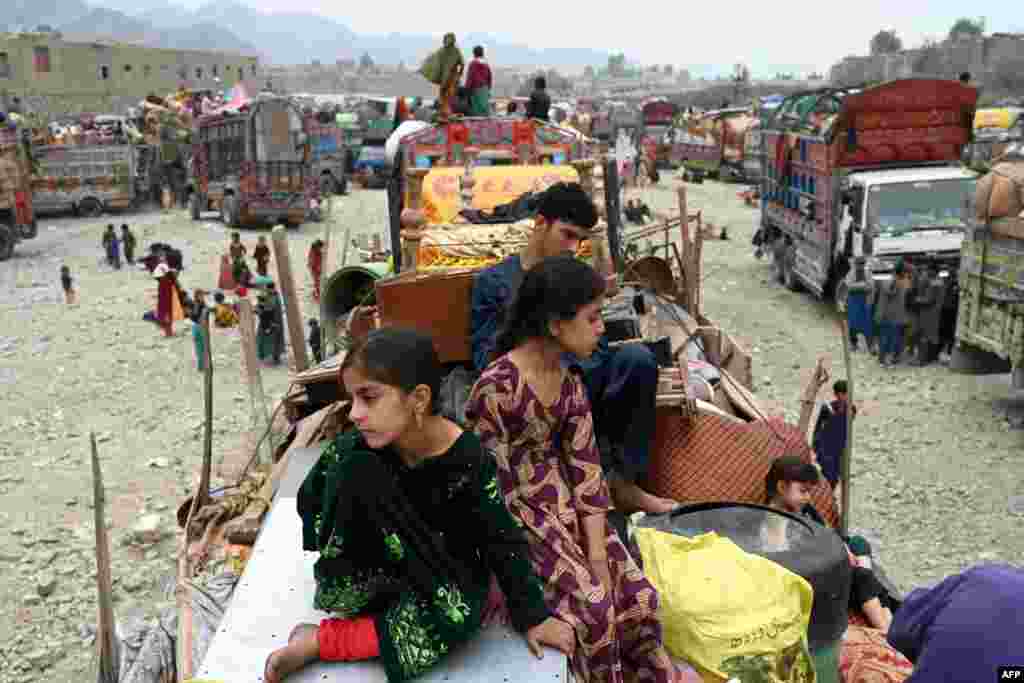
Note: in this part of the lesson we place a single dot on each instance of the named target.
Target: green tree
(966, 26)
(885, 43)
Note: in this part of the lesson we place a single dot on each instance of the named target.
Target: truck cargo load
(17, 219)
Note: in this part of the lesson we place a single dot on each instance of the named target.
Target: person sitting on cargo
(788, 488)
(539, 105)
(621, 382)
(407, 515)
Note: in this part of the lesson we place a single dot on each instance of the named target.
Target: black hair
(312, 322)
(788, 468)
(841, 387)
(965, 76)
(540, 83)
(568, 202)
(512, 106)
(236, 234)
(478, 51)
(398, 357)
(124, 226)
(218, 297)
(554, 289)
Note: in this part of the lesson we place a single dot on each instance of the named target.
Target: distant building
(63, 77)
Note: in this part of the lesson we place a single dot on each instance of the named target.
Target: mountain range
(279, 38)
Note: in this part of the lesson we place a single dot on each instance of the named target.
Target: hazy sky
(762, 34)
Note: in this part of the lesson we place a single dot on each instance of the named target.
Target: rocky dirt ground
(936, 462)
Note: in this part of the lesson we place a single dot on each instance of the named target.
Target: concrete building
(56, 77)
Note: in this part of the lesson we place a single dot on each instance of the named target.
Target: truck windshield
(902, 207)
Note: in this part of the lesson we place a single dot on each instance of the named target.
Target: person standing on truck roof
(539, 105)
(479, 83)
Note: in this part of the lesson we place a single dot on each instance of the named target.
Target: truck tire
(779, 250)
(7, 242)
(90, 207)
(229, 211)
(193, 206)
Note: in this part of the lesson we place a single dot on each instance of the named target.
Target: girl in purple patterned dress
(533, 413)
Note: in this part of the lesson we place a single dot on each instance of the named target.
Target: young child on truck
(788, 488)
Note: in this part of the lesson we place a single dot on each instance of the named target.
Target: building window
(241, 72)
(199, 73)
(41, 59)
(127, 68)
(104, 73)
(253, 69)
(214, 70)
(5, 65)
(146, 69)
(182, 72)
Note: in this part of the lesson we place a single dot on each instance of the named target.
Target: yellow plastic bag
(729, 613)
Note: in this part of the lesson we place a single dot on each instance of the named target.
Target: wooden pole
(844, 466)
(684, 231)
(108, 669)
(324, 270)
(810, 394)
(203, 494)
(286, 281)
(251, 368)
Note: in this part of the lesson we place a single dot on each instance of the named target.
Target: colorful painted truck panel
(994, 131)
(17, 218)
(88, 179)
(856, 179)
(253, 167)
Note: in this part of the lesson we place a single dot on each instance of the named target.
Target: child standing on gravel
(66, 284)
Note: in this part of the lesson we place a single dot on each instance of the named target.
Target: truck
(328, 152)
(252, 167)
(994, 130)
(857, 179)
(657, 117)
(713, 144)
(17, 219)
(990, 315)
(85, 178)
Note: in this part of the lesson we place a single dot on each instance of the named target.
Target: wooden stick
(324, 270)
(203, 494)
(282, 258)
(108, 670)
(844, 465)
(253, 377)
(809, 395)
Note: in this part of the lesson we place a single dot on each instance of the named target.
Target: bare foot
(302, 649)
(631, 498)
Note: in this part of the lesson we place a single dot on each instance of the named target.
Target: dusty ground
(935, 464)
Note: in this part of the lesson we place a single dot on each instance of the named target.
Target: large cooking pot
(809, 550)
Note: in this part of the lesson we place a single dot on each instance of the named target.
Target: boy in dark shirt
(830, 433)
(66, 284)
(540, 102)
(314, 341)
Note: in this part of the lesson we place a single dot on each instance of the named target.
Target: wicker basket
(437, 303)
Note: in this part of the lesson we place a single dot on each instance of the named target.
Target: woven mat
(713, 459)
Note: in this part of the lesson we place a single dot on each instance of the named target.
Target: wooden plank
(286, 282)
(106, 641)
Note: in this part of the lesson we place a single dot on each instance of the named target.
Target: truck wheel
(90, 207)
(229, 211)
(6, 243)
(778, 260)
(969, 360)
(193, 206)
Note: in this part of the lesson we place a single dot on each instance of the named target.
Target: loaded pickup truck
(856, 179)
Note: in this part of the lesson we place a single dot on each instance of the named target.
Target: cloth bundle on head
(438, 66)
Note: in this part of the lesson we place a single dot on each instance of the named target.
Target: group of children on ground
(112, 244)
(912, 316)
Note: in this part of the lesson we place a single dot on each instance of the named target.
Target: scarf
(438, 67)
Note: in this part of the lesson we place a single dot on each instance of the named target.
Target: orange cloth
(348, 640)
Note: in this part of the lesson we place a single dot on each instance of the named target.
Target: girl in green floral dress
(410, 525)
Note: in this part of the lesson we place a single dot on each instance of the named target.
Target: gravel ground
(936, 463)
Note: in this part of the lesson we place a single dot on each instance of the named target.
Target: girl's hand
(554, 633)
(599, 565)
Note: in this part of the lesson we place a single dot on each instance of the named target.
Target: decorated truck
(17, 220)
(328, 152)
(253, 167)
(713, 144)
(656, 134)
(994, 130)
(990, 319)
(855, 180)
(85, 178)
